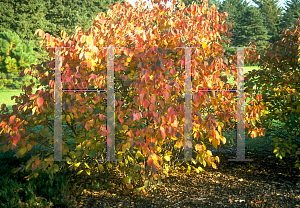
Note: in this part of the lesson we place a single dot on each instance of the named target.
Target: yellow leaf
(79, 172)
(87, 165)
(125, 127)
(219, 129)
(29, 147)
(109, 165)
(77, 164)
(35, 175)
(101, 168)
(214, 165)
(138, 154)
(88, 172)
(89, 40)
(217, 134)
(68, 118)
(208, 152)
(215, 143)
(173, 138)
(167, 158)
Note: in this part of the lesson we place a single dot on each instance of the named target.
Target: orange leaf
(162, 131)
(12, 119)
(150, 162)
(215, 143)
(129, 186)
(153, 99)
(214, 165)
(166, 95)
(258, 97)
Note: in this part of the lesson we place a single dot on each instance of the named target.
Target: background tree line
(262, 24)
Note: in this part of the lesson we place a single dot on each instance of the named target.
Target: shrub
(147, 88)
(278, 79)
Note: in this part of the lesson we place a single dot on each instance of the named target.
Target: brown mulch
(265, 182)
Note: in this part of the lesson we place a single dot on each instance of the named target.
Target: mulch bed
(265, 182)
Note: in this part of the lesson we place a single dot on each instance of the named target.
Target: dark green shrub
(16, 190)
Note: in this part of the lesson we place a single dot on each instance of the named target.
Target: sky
(132, 2)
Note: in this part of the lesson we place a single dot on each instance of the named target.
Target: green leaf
(136, 168)
(23, 150)
(127, 83)
(159, 50)
(92, 152)
(157, 64)
(56, 168)
(146, 183)
(169, 51)
(35, 175)
(45, 133)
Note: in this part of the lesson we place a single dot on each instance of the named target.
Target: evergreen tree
(66, 15)
(24, 17)
(272, 15)
(14, 57)
(235, 10)
(251, 28)
(291, 14)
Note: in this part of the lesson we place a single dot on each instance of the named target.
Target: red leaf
(172, 71)
(120, 119)
(258, 97)
(81, 109)
(151, 108)
(16, 138)
(146, 104)
(101, 117)
(168, 87)
(162, 131)
(155, 114)
(90, 110)
(39, 101)
(170, 111)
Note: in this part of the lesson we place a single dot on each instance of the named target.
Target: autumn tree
(148, 60)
